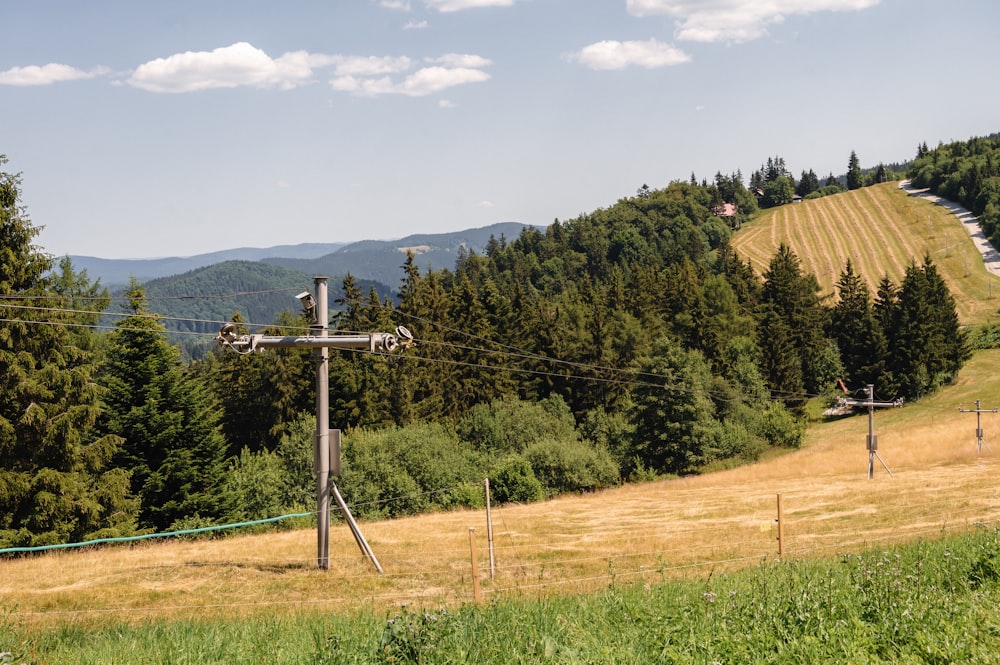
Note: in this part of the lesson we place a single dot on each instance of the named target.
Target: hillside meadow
(625, 575)
(673, 528)
(881, 229)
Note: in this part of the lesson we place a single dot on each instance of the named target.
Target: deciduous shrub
(570, 465)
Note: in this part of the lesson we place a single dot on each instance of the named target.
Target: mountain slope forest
(624, 344)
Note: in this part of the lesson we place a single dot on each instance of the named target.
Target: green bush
(570, 465)
(513, 481)
(986, 336)
(511, 425)
(295, 450)
(611, 431)
(256, 479)
(735, 441)
(403, 471)
(780, 428)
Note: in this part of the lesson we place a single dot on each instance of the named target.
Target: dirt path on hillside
(969, 221)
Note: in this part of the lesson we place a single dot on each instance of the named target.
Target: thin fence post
(475, 567)
(489, 527)
(781, 529)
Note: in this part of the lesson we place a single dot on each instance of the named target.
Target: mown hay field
(941, 484)
(881, 229)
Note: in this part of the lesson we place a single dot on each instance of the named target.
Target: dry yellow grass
(881, 229)
(638, 533)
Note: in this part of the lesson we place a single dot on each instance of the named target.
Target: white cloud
(229, 67)
(244, 65)
(734, 20)
(461, 60)
(445, 6)
(447, 104)
(47, 74)
(449, 70)
(416, 25)
(399, 5)
(434, 79)
(369, 65)
(650, 54)
(486, 204)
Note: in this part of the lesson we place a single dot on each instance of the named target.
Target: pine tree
(927, 345)
(855, 329)
(673, 413)
(169, 421)
(792, 296)
(855, 178)
(56, 480)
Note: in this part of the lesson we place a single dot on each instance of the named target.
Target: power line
(146, 297)
(518, 370)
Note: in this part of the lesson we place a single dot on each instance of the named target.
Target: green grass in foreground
(928, 602)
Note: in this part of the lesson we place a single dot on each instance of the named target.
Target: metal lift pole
(872, 438)
(321, 447)
(320, 341)
(979, 425)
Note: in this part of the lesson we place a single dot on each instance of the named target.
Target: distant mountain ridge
(115, 272)
(375, 260)
(382, 260)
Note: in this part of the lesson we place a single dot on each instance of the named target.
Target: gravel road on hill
(971, 223)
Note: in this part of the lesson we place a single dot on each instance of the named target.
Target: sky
(179, 127)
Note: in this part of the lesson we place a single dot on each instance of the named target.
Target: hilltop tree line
(624, 344)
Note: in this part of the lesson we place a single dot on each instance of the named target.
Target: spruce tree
(792, 296)
(56, 480)
(855, 329)
(927, 346)
(169, 421)
(673, 412)
(855, 178)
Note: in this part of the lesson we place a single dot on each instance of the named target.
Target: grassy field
(652, 531)
(927, 602)
(651, 551)
(881, 229)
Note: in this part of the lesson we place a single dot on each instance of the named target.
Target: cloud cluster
(445, 72)
(234, 66)
(650, 54)
(734, 20)
(700, 21)
(45, 74)
(244, 65)
(458, 5)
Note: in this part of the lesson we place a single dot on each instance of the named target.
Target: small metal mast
(326, 461)
(979, 425)
(872, 439)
